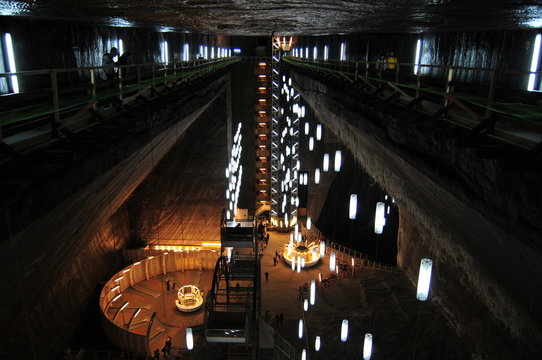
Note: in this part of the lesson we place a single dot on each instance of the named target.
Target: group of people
(108, 60)
(387, 65)
(166, 350)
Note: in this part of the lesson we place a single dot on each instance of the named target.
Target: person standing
(266, 275)
(107, 60)
(168, 345)
(391, 64)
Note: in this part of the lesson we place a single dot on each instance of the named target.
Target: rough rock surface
(248, 17)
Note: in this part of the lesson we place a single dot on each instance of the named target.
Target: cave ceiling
(294, 17)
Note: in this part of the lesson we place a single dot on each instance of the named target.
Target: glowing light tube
(317, 176)
(309, 222)
(311, 143)
(338, 160)
(307, 128)
(11, 63)
(534, 62)
(300, 329)
(352, 210)
(424, 279)
(332, 262)
(305, 305)
(313, 292)
(380, 219)
(325, 163)
(304, 355)
(417, 58)
(367, 346)
(344, 330)
(319, 132)
(189, 339)
(317, 343)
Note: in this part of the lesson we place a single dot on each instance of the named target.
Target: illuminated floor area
(168, 317)
(379, 302)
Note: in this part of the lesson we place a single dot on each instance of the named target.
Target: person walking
(266, 276)
(168, 345)
(274, 261)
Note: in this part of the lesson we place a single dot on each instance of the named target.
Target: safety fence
(435, 89)
(68, 93)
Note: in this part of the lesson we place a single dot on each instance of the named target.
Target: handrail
(409, 86)
(53, 97)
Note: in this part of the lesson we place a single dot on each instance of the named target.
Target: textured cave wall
(481, 221)
(51, 44)
(483, 49)
(52, 266)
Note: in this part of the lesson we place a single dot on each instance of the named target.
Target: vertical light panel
(305, 305)
(338, 160)
(186, 52)
(206, 52)
(304, 355)
(307, 52)
(332, 262)
(313, 292)
(317, 176)
(300, 329)
(344, 330)
(189, 339)
(11, 63)
(325, 163)
(343, 51)
(380, 219)
(353, 206)
(121, 47)
(319, 132)
(315, 53)
(417, 57)
(311, 143)
(424, 279)
(212, 52)
(164, 52)
(534, 62)
(367, 346)
(307, 128)
(317, 343)
(309, 223)
(326, 53)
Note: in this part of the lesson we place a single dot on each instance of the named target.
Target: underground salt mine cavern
(270, 179)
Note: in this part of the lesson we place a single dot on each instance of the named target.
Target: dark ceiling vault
(287, 17)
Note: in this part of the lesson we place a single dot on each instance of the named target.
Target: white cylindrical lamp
(338, 160)
(332, 262)
(317, 343)
(344, 330)
(189, 339)
(424, 279)
(367, 346)
(313, 292)
(353, 206)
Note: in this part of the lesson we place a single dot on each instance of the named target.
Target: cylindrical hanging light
(307, 127)
(298, 264)
(300, 329)
(380, 219)
(304, 355)
(338, 160)
(189, 339)
(293, 263)
(332, 262)
(319, 132)
(353, 208)
(313, 292)
(317, 343)
(424, 279)
(311, 143)
(317, 176)
(344, 330)
(325, 163)
(309, 223)
(367, 346)
(322, 248)
(305, 304)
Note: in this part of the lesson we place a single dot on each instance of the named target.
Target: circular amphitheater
(138, 310)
